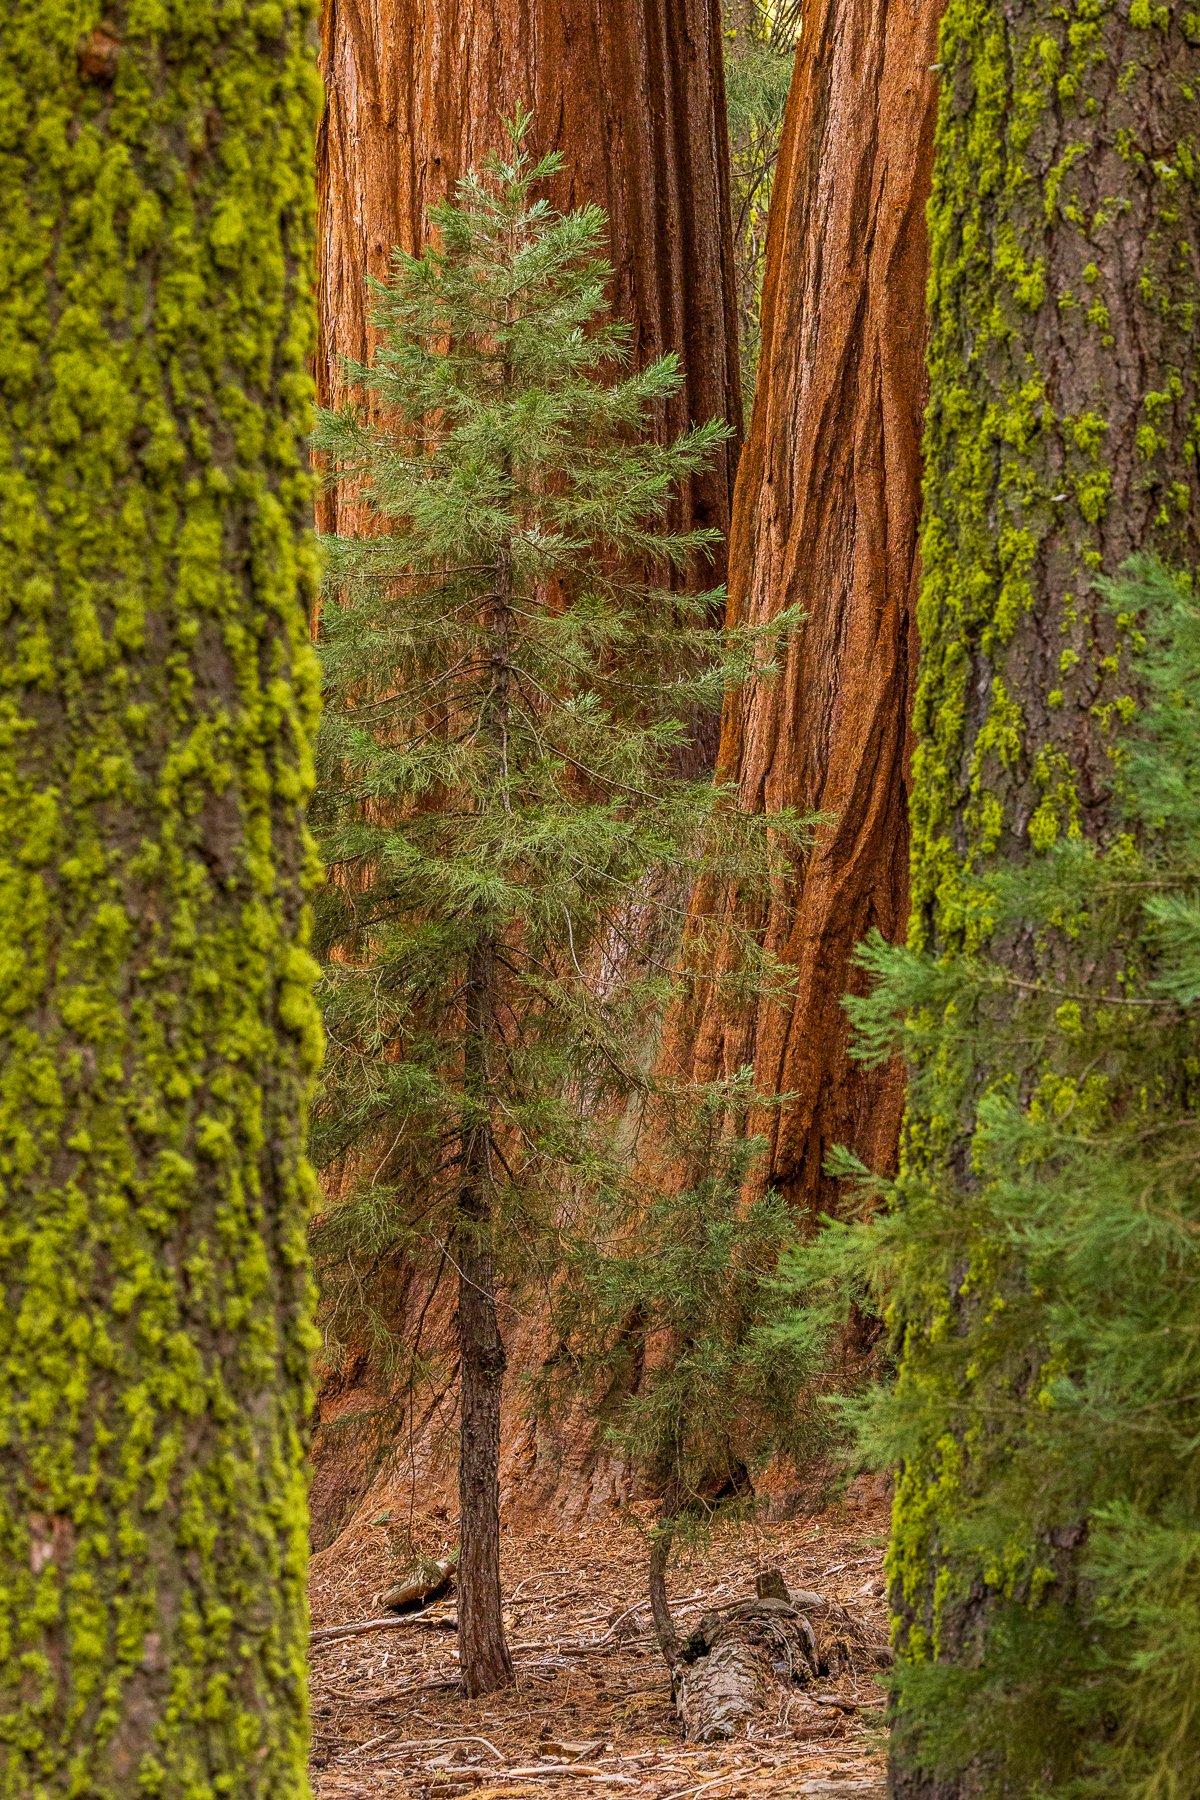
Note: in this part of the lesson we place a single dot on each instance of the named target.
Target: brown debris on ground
(592, 1710)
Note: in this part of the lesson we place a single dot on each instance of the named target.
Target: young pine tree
(508, 686)
(676, 1315)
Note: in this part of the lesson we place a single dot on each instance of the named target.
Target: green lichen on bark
(1062, 423)
(157, 1031)
(1062, 435)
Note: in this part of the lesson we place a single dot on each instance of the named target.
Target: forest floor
(591, 1712)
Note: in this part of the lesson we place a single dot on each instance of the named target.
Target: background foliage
(760, 50)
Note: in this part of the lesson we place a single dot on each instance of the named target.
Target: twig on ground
(438, 1743)
(690, 1793)
(551, 1771)
(333, 1634)
(444, 1682)
(538, 1575)
(843, 1705)
(620, 1620)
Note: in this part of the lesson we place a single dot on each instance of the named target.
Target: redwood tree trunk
(631, 91)
(826, 518)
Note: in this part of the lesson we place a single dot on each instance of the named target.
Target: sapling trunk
(662, 1543)
(483, 1652)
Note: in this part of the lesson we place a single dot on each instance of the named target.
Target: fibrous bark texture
(746, 1659)
(483, 1651)
(630, 91)
(1062, 436)
(158, 1036)
(826, 519)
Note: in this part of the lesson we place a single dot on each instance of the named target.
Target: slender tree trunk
(1065, 386)
(157, 1031)
(826, 518)
(483, 1652)
(662, 1543)
(631, 91)
(743, 17)
(660, 1606)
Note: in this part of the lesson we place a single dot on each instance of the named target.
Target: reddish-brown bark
(630, 91)
(825, 518)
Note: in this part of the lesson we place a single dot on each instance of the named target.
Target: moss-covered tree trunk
(157, 1033)
(1061, 435)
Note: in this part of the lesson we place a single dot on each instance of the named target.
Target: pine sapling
(510, 681)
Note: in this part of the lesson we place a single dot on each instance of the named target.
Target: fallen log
(424, 1583)
(737, 1659)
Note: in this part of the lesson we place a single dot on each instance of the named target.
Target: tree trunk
(157, 1033)
(744, 18)
(483, 1651)
(826, 518)
(661, 1545)
(631, 91)
(1061, 437)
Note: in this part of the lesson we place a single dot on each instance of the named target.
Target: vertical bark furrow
(631, 91)
(826, 518)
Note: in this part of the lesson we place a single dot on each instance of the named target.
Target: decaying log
(734, 1663)
(421, 1585)
(730, 1665)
